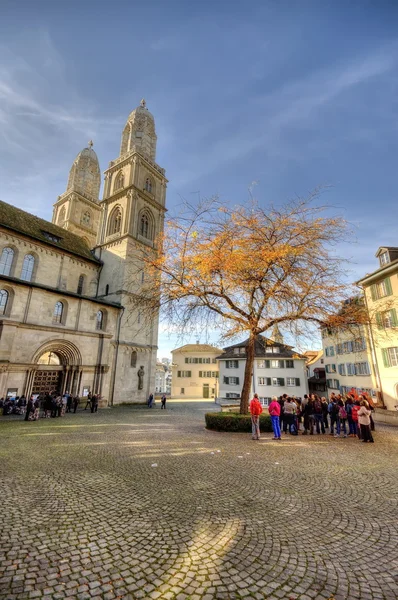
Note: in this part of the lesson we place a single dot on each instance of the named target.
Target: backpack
(317, 407)
(342, 413)
(335, 409)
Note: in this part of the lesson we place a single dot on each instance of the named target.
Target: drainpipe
(114, 365)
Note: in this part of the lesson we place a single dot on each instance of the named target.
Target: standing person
(255, 410)
(290, 410)
(88, 403)
(325, 412)
(94, 403)
(59, 406)
(163, 399)
(318, 415)
(333, 409)
(76, 402)
(69, 401)
(281, 404)
(304, 411)
(341, 423)
(364, 422)
(355, 423)
(36, 409)
(29, 408)
(150, 400)
(274, 410)
(348, 408)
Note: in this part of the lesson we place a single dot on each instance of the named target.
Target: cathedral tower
(78, 208)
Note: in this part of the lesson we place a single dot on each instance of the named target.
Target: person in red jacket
(354, 413)
(255, 410)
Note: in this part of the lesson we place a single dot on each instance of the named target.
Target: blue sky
(291, 95)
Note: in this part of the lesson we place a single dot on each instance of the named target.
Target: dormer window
(384, 258)
(51, 236)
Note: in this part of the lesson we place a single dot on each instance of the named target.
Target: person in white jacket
(364, 422)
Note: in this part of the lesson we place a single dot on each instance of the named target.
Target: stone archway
(57, 368)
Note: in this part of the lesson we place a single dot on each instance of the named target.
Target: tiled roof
(197, 348)
(18, 220)
(260, 350)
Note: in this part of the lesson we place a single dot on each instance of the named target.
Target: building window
(231, 364)
(7, 256)
(58, 312)
(277, 364)
(3, 301)
(51, 237)
(231, 380)
(184, 373)
(390, 357)
(148, 185)
(119, 182)
(348, 347)
(115, 221)
(330, 368)
(359, 344)
(232, 395)
(86, 218)
(350, 369)
(145, 225)
(362, 368)
(80, 284)
(381, 289)
(329, 351)
(182, 391)
(387, 319)
(27, 267)
(264, 381)
(261, 364)
(289, 364)
(99, 320)
(133, 359)
(278, 381)
(332, 383)
(384, 258)
(292, 381)
(342, 369)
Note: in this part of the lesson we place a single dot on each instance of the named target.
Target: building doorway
(48, 378)
(206, 390)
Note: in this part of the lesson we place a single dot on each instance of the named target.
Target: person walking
(150, 400)
(76, 402)
(163, 400)
(255, 410)
(88, 403)
(274, 410)
(364, 422)
(94, 403)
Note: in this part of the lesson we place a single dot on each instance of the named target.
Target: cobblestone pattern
(87, 515)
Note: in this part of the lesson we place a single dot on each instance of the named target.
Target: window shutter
(379, 321)
(200, 373)
(227, 364)
(373, 292)
(226, 380)
(394, 317)
(388, 286)
(237, 380)
(386, 362)
(178, 373)
(268, 380)
(297, 381)
(281, 381)
(282, 364)
(267, 364)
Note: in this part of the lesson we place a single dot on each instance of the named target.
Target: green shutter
(225, 379)
(268, 380)
(394, 317)
(384, 354)
(237, 381)
(282, 364)
(388, 286)
(267, 364)
(373, 291)
(297, 381)
(281, 381)
(379, 320)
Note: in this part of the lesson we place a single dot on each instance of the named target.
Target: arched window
(58, 312)
(99, 320)
(86, 218)
(80, 284)
(7, 256)
(144, 225)
(119, 181)
(134, 358)
(148, 185)
(3, 301)
(27, 267)
(62, 216)
(115, 221)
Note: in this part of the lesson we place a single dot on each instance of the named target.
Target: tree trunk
(247, 381)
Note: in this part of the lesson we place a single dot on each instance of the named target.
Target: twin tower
(133, 204)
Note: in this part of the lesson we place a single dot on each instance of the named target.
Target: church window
(62, 216)
(27, 267)
(148, 185)
(115, 221)
(86, 218)
(99, 320)
(3, 301)
(80, 284)
(58, 312)
(7, 256)
(144, 226)
(119, 181)
(134, 358)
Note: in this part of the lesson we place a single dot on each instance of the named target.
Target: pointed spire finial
(143, 103)
(90, 144)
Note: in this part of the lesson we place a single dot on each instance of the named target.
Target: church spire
(139, 133)
(276, 335)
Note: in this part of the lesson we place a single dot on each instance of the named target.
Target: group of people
(47, 405)
(348, 416)
(151, 401)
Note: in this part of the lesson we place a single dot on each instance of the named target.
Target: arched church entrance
(56, 369)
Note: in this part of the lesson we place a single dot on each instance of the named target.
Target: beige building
(381, 294)
(195, 371)
(68, 289)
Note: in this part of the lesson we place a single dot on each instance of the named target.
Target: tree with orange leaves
(246, 269)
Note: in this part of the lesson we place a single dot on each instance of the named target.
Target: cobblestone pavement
(138, 503)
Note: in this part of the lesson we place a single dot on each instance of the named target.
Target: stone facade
(78, 307)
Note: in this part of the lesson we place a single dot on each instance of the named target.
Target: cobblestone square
(137, 503)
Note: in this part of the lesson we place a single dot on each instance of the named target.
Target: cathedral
(69, 289)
